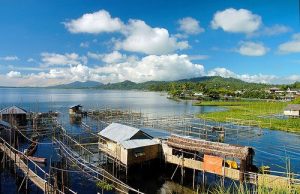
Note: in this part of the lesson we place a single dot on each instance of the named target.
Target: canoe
(37, 159)
(31, 149)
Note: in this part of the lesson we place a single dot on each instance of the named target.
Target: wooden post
(194, 172)
(203, 180)
(223, 178)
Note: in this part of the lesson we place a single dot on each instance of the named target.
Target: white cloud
(113, 57)
(144, 39)
(94, 23)
(275, 30)
(236, 21)
(84, 44)
(189, 25)
(137, 35)
(292, 46)
(9, 58)
(152, 67)
(257, 78)
(253, 49)
(49, 59)
(14, 74)
(220, 71)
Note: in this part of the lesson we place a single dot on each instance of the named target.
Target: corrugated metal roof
(137, 143)
(5, 124)
(118, 132)
(156, 133)
(293, 107)
(13, 110)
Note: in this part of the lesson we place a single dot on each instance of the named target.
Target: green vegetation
(259, 113)
(206, 88)
(196, 84)
(104, 185)
(243, 189)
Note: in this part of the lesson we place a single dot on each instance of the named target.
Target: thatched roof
(293, 107)
(209, 147)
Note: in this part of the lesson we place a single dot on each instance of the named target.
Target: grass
(252, 113)
(244, 189)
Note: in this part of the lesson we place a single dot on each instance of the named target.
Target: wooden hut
(292, 110)
(211, 153)
(14, 115)
(127, 144)
(75, 110)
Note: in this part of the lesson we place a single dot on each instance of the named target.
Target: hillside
(215, 82)
(78, 84)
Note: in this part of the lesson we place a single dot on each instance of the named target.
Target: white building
(292, 110)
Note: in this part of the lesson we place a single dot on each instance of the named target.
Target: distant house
(273, 90)
(198, 94)
(14, 115)
(292, 110)
(76, 109)
(128, 145)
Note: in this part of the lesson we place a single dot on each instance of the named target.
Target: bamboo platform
(271, 181)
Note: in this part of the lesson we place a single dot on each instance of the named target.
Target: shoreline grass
(260, 113)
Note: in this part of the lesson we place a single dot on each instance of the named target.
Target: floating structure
(14, 115)
(75, 110)
(292, 110)
(207, 156)
(129, 145)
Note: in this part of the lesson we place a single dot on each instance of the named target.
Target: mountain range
(209, 81)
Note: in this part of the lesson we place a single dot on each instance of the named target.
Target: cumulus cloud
(152, 67)
(137, 35)
(94, 23)
(256, 78)
(140, 37)
(236, 21)
(9, 58)
(14, 74)
(113, 57)
(220, 71)
(50, 59)
(189, 25)
(292, 46)
(252, 49)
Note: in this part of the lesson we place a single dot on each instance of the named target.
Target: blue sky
(60, 41)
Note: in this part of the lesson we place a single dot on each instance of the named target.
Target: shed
(75, 109)
(15, 115)
(127, 144)
(292, 110)
(212, 151)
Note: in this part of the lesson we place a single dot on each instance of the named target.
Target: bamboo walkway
(36, 179)
(21, 161)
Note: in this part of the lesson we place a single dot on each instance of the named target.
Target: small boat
(37, 159)
(31, 149)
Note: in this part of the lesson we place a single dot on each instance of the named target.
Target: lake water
(271, 148)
